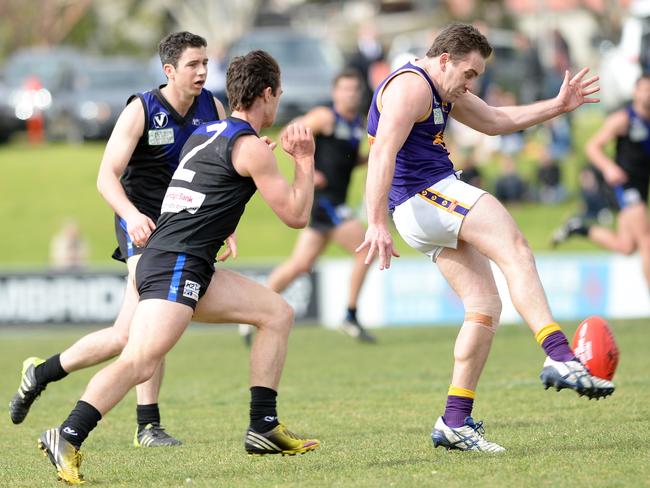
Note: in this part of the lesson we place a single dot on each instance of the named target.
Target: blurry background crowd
(67, 67)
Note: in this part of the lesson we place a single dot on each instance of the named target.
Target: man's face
(190, 72)
(459, 75)
(346, 94)
(642, 93)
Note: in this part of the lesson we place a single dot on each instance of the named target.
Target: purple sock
(557, 347)
(457, 409)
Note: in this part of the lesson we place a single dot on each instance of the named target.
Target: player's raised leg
(469, 274)
(510, 251)
(230, 298)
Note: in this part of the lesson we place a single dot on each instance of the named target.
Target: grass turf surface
(372, 406)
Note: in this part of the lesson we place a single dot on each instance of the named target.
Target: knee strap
(483, 311)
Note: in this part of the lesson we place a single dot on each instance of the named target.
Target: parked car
(34, 79)
(308, 65)
(100, 92)
(623, 63)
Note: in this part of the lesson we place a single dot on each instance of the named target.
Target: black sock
(147, 414)
(352, 314)
(50, 370)
(80, 422)
(264, 415)
(582, 229)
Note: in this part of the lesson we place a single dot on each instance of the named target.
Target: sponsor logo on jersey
(191, 290)
(196, 121)
(160, 120)
(160, 137)
(178, 199)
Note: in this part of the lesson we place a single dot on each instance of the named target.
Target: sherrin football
(595, 346)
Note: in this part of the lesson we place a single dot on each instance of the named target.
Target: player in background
(139, 160)
(221, 167)
(628, 173)
(338, 130)
(458, 226)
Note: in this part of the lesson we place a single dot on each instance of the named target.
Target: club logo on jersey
(160, 120)
(191, 290)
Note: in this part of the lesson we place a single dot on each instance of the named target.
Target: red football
(595, 346)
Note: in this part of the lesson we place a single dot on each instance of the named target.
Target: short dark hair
(458, 40)
(352, 73)
(248, 76)
(172, 46)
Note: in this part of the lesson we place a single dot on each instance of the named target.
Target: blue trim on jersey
(618, 193)
(330, 209)
(129, 242)
(176, 277)
(235, 126)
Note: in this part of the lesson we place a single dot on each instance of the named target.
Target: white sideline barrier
(413, 292)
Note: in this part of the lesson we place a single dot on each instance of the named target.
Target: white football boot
(574, 375)
(469, 437)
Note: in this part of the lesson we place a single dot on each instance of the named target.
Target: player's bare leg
(633, 232)
(235, 298)
(510, 251)
(309, 245)
(348, 235)
(468, 272)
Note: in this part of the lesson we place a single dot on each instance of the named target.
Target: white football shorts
(430, 220)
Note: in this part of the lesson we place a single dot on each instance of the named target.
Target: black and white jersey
(206, 196)
(156, 155)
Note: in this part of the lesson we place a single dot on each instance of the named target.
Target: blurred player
(221, 167)
(628, 174)
(458, 226)
(140, 157)
(338, 130)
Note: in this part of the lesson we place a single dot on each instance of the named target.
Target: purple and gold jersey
(423, 160)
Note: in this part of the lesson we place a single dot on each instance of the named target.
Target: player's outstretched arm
(475, 113)
(119, 149)
(615, 125)
(290, 202)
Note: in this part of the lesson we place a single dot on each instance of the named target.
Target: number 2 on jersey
(185, 174)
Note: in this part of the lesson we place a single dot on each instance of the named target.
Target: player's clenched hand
(231, 248)
(298, 141)
(614, 175)
(379, 242)
(139, 227)
(267, 140)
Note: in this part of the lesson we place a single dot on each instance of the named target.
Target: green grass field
(371, 406)
(43, 186)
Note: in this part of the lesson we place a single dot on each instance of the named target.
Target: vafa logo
(160, 120)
